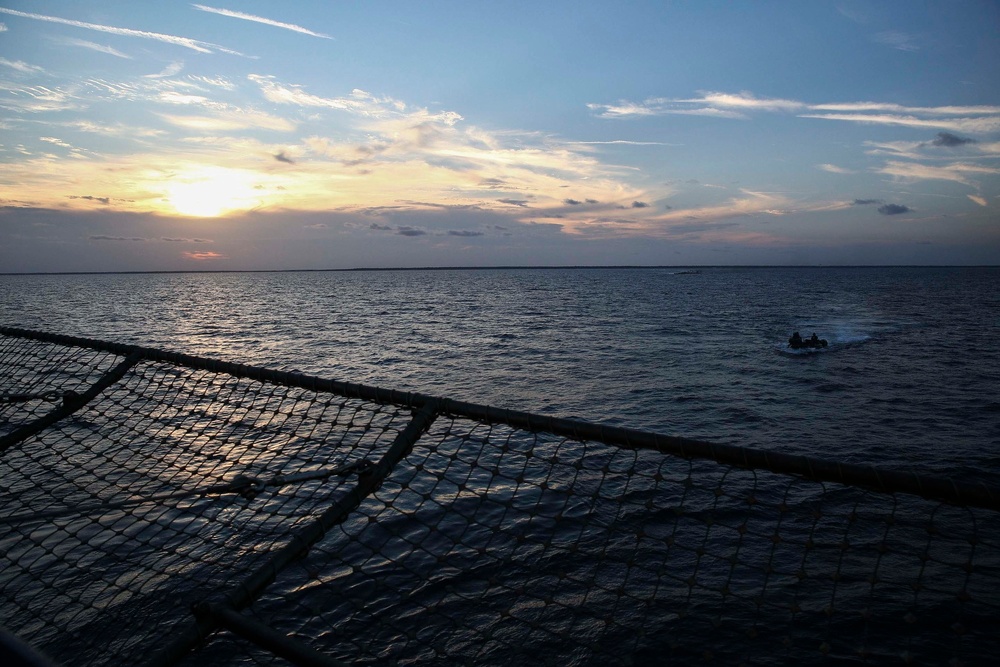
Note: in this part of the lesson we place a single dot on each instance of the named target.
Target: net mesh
(136, 523)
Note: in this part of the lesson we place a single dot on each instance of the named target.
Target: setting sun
(212, 192)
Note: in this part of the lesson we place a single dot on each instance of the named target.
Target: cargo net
(168, 510)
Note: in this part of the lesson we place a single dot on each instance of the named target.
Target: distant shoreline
(514, 268)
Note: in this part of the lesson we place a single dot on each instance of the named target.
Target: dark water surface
(910, 379)
(911, 376)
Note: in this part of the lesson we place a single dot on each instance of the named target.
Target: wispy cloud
(949, 110)
(93, 46)
(744, 100)
(105, 237)
(834, 169)
(945, 146)
(898, 40)
(37, 99)
(972, 119)
(188, 43)
(623, 142)
(116, 130)
(914, 171)
(204, 256)
(978, 125)
(260, 19)
(172, 69)
(358, 102)
(55, 141)
(715, 220)
(659, 107)
(21, 66)
(625, 109)
(228, 120)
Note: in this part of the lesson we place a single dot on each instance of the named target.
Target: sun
(210, 192)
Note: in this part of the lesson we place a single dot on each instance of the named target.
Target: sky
(256, 135)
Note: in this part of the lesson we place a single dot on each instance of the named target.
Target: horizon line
(509, 267)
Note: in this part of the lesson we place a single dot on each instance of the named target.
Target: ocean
(910, 377)
(495, 550)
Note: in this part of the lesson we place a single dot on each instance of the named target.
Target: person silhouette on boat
(795, 340)
(814, 339)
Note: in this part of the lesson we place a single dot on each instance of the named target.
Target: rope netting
(163, 509)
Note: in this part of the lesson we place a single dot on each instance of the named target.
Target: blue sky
(262, 135)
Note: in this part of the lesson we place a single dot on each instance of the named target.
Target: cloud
(55, 141)
(184, 99)
(203, 256)
(102, 237)
(949, 140)
(921, 150)
(172, 69)
(982, 118)
(93, 46)
(900, 41)
(658, 107)
(38, 99)
(102, 200)
(572, 202)
(638, 204)
(464, 233)
(986, 124)
(893, 209)
(493, 184)
(419, 150)
(117, 130)
(359, 101)
(610, 222)
(21, 66)
(834, 169)
(914, 171)
(625, 143)
(898, 108)
(193, 44)
(714, 104)
(625, 109)
(865, 202)
(413, 158)
(260, 19)
(410, 231)
(979, 200)
(745, 100)
(230, 120)
(215, 82)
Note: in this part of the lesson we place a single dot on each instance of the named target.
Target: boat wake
(837, 337)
